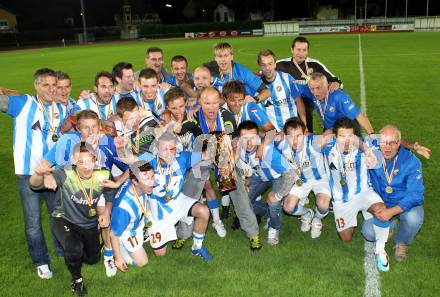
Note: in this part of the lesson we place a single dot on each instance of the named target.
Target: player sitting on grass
(79, 192)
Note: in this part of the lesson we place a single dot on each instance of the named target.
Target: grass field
(402, 87)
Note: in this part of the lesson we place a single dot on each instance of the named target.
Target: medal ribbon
(89, 197)
(342, 164)
(389, 176)
(303, 75)
(322, 111)
(167, 184)
(46, 115)
(142, 206)
(299, 167)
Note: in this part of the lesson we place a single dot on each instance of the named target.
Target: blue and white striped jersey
(356, 172)
(127, 215)
(104, 111)
(281, 106)
(163, 186)
(156, 106)
(106, 155)
(250, 111)
(32, 136)
(269, 168)
(309, 158)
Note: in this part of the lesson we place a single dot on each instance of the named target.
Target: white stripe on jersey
(313, 168)
(356, 174)
(32, 136)
(322, 65)
(253, 166)
(91, 103)
(130, 204)
(159, 102)
(282, 105)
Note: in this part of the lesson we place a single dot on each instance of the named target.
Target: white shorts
(346, 213)
(164, 230)
(132, 243)
(303, 191)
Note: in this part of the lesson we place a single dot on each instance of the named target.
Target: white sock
(198, 240)
(381, 237)
(319, 214)
(226, 200)
(215, 214)
(299, 210)
(108, 253)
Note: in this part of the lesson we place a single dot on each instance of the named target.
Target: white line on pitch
(372, 278)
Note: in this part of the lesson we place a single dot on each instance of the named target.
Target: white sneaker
(382, 261)
(273, 236)
(44, 272)
(110, 267)
(219, 228)
(306, 220)
(316, 227)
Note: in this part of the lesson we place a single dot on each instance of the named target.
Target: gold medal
(389, 189)
(389, 177)
(343, 182)
(92, 212)
(149, 224)
(168, 197)
(55, 138)
(299, 182)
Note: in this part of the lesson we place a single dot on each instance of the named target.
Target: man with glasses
(399, 181)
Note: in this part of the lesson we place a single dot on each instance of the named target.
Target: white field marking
(362, 79)
(372, 278)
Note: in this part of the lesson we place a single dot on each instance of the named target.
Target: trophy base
(227, 185)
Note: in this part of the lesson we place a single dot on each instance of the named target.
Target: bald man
(399, 181)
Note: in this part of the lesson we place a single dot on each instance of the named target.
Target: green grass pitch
(402, 87)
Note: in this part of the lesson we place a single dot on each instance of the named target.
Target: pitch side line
(372, 278)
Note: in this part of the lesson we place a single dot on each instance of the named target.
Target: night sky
(51, 14)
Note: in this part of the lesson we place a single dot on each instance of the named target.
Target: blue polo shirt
(339, 105)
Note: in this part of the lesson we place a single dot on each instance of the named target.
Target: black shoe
(225, 212)
(78, 287)
(235, 224)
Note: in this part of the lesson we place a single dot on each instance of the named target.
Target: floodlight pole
(427, 7)
(83, 14)
(355, 11)
(386, 8)
(365, 12)
(406, 9)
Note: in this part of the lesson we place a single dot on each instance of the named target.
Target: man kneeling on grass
(80, 195)
(129, 217)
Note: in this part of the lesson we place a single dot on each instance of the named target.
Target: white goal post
(281, 28)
